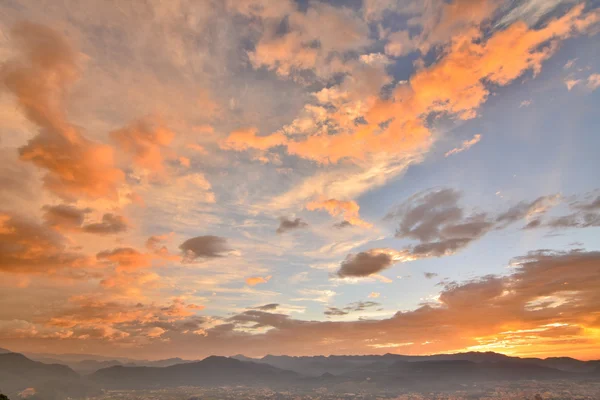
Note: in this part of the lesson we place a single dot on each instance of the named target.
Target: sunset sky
(185, 178)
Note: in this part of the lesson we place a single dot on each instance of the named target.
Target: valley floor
(523, 390)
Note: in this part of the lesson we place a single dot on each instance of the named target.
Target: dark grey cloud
(523, 209)
(535, 223)
(110, 224)
(435, 219)
(442, 227)
(335, 312)
(364, 264)
(64, 216)
(342, 224)
(585, 214)
(267, 307)
(589, 206)
(259, 319)
(441, 248)
(423, 215)
(430, 275)
(208, 246)
(67, 217)
(575, 220)
(286, 224)
(361, 305)
(352, 307)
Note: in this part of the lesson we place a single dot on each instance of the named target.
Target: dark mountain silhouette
(212, 371)
(318, 365)
(436, 372)
(85, 364)
(50, 381)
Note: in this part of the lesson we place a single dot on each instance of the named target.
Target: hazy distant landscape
(446, 376)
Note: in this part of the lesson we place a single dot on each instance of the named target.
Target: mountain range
(55, 381)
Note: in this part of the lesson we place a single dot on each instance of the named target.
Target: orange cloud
(126, 258)
(348, 209)
(184, 161)
(145, 141)
(196, 147)
(455, 85)
(256, 280)
(39, 78)
(27, 247)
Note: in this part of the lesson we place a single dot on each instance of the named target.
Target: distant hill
(50, 381)
(86, 364)
(337, 365)
(212, 371)
(439, 372)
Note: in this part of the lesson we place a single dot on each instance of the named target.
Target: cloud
(374, 295)
(571, 83)
(525, 103)
(286, 224)
(204, 247)
(350, 308)
(294, 51)
(348, 209)
(243, 139)
(110, 224)
(317, 295)
(267, 307)
(586, 214)
(530, 11)
(467, 144)
(342, 224)
(430, 275)
(368, 262)
(27, 247)
(593, 81)
(531, 209)
(455, 85)
(256, 280)
(593, 205)
(64, 216)
(399, 44)
(39, 78)
(534, 312)
(335, 312)
(434, 218)
(145, 141)
(424, 214)
(126, 258)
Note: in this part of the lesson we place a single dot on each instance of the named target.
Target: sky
(189, 178)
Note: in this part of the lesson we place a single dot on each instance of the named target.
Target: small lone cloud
(467, 144)
(286, 224)
(430, 275)
(570, 63)
(593, 81)
(204, 247)
(525, 103)
(256, 280)
(374, 295)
